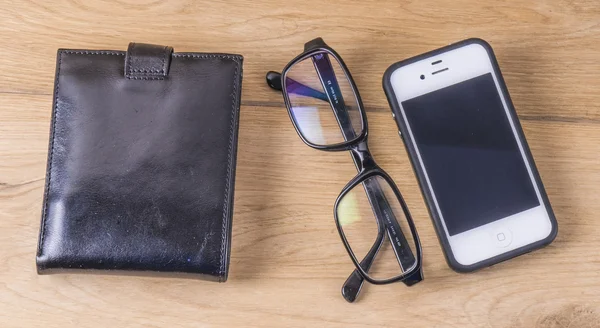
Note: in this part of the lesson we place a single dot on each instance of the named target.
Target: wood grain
(287, 263)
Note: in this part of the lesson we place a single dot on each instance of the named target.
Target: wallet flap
(147, 61)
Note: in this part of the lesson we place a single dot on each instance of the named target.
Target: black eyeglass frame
(310, 49)
(366, 173)
(367, 168)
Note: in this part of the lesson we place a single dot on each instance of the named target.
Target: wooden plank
(548, 51)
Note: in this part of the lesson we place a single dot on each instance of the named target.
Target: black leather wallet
(141, 162)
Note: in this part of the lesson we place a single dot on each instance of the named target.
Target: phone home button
(502, 237)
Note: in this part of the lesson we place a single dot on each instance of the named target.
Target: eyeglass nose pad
(274, 80)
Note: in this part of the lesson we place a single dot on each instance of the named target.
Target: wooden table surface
(287, 261)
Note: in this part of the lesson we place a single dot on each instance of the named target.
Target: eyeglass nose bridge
(362, 156)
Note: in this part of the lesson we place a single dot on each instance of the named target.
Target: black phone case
(421, 177)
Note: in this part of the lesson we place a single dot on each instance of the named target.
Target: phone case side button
(397, 125)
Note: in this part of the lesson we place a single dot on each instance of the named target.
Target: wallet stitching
(88, 52)
(232, 57)
(164, 65)
(149, 70)
(146, 70)
(130, 52)
(229, 158)
(145, 78)
(50, 157)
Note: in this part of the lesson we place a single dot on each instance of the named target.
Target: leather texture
(141, 164)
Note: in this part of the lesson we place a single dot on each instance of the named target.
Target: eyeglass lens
(367, 215)
(322, 102)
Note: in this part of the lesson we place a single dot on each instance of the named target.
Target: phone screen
(470, 153)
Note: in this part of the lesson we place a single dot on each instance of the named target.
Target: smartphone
(467, 148)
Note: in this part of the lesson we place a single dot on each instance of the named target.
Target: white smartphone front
(473, 162)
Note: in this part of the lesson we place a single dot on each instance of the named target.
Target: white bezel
(483, 242)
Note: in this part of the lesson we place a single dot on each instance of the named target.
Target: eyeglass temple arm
(352, 286)
(332, 89)
(382, 209)
(295, 87)
(325, 71)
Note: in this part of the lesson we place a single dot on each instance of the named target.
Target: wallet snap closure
(147, 61)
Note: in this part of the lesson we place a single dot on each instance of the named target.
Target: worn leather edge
(230, 184)
(49, 160)
(135, 273)
(231, 157)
